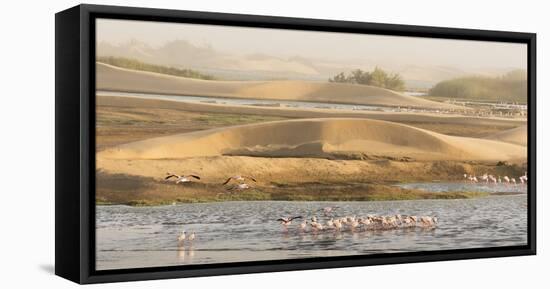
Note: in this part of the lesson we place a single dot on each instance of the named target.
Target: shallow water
(129, 237)
(466, 187)
(252, 102)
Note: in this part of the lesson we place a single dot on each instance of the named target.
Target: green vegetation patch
(510, 87)
(378, 77)
(219, 119)
(138, 65)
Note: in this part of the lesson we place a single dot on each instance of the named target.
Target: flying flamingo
(238, 178)
(181, 179)
(328, 210)
(285, 222)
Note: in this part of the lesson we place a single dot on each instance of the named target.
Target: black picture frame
(75, 142)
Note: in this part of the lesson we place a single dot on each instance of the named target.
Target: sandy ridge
(113, 78)
(317, 138)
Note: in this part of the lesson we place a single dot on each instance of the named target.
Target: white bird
(337, 224)
(303, 225)
(239, 178)
(181, 237)
(316, 226)
(354, 224)
(330, 223)
(191, 237)
(428, 221)
(523, 178)
(506, 179)
(181, 179)
(513, 180)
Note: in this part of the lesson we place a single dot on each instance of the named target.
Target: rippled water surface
(129, 237)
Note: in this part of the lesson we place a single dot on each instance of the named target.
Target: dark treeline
(378, 77)
(511, 87)
(138, 65)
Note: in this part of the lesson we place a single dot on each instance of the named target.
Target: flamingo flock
(354, 223)
(491, 179)
(182, 237)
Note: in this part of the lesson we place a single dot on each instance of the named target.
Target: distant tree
(361, 77)
(378, 77)
(340, 77)
(395, 82)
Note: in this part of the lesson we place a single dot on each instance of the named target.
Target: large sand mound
(119, 79)
(516, 135)
(319, 138)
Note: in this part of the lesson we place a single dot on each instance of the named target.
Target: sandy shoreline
(102, 100)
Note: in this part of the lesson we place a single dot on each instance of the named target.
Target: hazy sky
(321, 45)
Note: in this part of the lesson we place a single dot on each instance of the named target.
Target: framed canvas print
(196, 144)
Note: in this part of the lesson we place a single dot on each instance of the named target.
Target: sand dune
(516, 135)
(119, 79)
(318, 138)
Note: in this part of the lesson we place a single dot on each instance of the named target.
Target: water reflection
(186, 253)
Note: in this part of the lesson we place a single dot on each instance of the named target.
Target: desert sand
(516, 135)
(329, 157)
(319, 138)
(113, 78)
